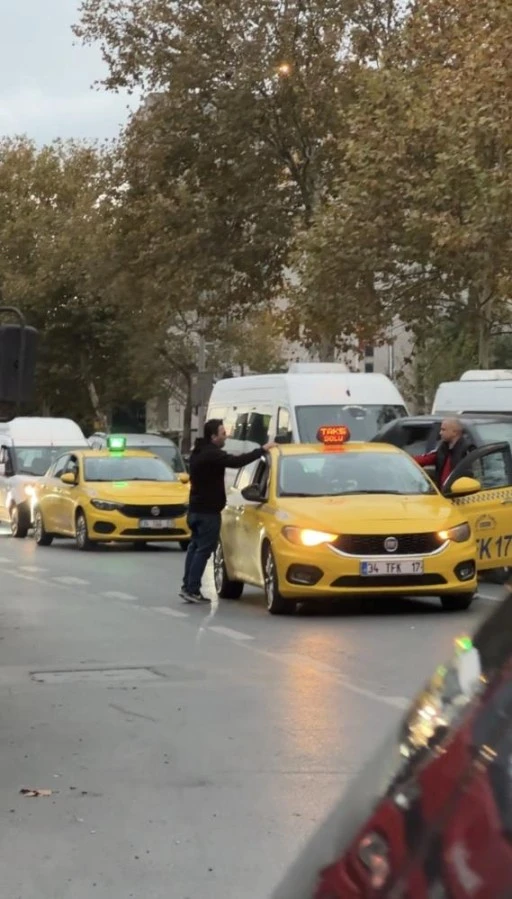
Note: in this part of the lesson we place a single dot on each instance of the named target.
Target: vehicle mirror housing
(252, 494)
(464, 487)
(184, 478)
(68, 478)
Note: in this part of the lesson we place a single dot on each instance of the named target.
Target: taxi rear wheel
(276, 603)
(458, 602)
(225, 588)
(41, 535)
(81, 532)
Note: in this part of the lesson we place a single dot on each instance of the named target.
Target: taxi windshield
(127, 468)
(36, 460)
(339, 474)
(364, 421)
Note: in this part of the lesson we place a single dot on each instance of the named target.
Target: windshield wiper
(302, 495)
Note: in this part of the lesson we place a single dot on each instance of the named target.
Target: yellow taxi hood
(139, 492)
(366, 514)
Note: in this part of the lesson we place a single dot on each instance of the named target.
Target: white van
(28, 446)
(290, 408)
(482, 392)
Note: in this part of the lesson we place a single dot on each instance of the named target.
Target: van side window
(284, 427)
(257, 431)
(240, 426)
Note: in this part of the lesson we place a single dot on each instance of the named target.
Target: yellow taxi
(338, 518)
(100, 496)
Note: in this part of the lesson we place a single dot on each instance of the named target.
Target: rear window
(494, 432)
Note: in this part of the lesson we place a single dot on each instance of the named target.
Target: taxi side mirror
(183, 477)
(68, 478)
(464, 487)
(252, 494)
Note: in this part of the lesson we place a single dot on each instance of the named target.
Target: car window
(337, 474)
(36, 460)
(245, 475)
(416, 438)
(492, 471)
(494, 432)
(363, 421)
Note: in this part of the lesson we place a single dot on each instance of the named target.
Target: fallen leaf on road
(33, 794)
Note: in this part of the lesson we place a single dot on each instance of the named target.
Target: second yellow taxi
(337, 518)
(99, 496)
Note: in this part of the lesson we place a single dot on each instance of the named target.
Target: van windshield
(364, 421)
(36, 460)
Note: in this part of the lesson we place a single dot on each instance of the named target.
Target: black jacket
(208, 466)
(457, 453)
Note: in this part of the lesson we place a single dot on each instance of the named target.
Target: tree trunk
(327, 349)
(186, 440)
(100, 415)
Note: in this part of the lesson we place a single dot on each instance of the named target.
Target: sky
(46, 77)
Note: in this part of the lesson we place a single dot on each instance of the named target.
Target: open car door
(489, 512)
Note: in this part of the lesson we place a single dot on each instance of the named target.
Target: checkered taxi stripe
(484, 496)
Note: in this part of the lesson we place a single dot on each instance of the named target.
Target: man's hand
(268, 446)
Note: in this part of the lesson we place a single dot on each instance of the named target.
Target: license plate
(395, 567)
(156, 524)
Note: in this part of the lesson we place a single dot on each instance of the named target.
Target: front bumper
(108, 526)
(323, 572)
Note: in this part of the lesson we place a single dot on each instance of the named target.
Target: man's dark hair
(211, 428)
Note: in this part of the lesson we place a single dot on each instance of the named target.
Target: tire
(225, 588)
(20, 521)
(81, 532)
(276, 603)
(457, 602)
(184, 545)
(41, 536)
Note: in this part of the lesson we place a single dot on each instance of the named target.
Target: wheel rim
(81, 531)
(269, 577)
(38, 526)
(218, 568)
(14, 520)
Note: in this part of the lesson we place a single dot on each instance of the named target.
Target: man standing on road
(208, 463)
(447, 455)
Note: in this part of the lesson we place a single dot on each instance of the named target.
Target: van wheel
(276, 603)
(41, 536)
(225, 588)
(20, 521)
(457, 602)
(81, 532)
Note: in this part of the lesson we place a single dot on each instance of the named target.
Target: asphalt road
(190, 751)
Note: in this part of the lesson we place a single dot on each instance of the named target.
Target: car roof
(107, 454)
(466, 417)
(301, 449)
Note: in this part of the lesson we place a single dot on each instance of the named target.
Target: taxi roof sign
(333, 435)
(116, 444)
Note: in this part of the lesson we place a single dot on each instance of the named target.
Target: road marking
(32, 569)
(117, 594)
(229, 632)
(70, 581)
(165, 610)
(489, 597)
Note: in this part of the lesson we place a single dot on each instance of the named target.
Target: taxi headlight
(459, 534)
(306, 537)
(104, 505)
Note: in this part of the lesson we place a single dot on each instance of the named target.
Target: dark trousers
(205, 528)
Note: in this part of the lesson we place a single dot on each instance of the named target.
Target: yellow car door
(231, 521)
(50, 494)
(252, 523)
(489, 512)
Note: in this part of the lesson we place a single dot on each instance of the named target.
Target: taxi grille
(373, 544)
(411, 580)
(152, 534)
(145, 511)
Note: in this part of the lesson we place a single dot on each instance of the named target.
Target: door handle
(506, 502)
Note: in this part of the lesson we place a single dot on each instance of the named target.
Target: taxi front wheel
(276, 603)
(81, 532)
(225, 588)
(458, 602)
(41, 535)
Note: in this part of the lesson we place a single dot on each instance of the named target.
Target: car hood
(371, 513)
(140, 492)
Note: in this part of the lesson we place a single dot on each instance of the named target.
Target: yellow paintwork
(247, 526)
(59, 503)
